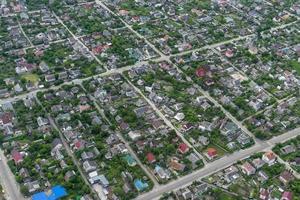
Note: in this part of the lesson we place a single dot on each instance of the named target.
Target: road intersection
(218, 165)
(12, 188)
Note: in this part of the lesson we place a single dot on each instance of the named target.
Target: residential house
(288, 149)
(89, 166)
(56, 144)
(248, 169)
(69, 175)
(6, 118)
(176, 165)
(183, 148)
(162, 173)
(17, 156)
(134, 135)
(151, 158)
(287, 196)
(211, 153)
(140, 185)
(32, 186)
(87, 155)
(269, 158)
(264, 194)
(285, 177)
(258, 163)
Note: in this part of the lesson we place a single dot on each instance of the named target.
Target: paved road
(130, 28)
(288, 166)
(146, 170)
(245, 75)
(8, 182)
(217, 165)
(23, 32)
(167, 122)
(76, 81)
(79, 41)
(167, 58)
(67, 147)
(216, 103)
(7, 177)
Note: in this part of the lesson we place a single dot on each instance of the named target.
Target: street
(218, 165)
(11, 187)
(7, 180)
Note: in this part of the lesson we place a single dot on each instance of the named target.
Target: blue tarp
(57, 192)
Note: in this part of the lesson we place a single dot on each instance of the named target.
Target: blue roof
(157, 168)
(130, 160)
(140, 185)
(40, 196)
(57, 192)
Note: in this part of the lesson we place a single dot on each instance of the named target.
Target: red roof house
(229, 53)
(123, 12)
(269, 157)
(212, 153)
(248, 169)
(200, 72)
(264, 194)
(176, 165)
(17, 156)
(183, 148)
(287, 196)
(151, 158)
(79, 144)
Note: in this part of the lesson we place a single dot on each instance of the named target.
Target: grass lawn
(276, 193)
(241, 188)
(295, 65)
(220, 151)
(31, 77)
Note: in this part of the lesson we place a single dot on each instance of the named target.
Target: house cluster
(292, 6)
(233, 89)
(254, 174)
(193, 191)
(152, 140)
(34, 150)
(46, 65)
(288, 152)
(278, 76)
(262, 13)
(198, 190)
(277, 119)
(250, 76)
(7, 120)
(97, 147)
(79, 17)
(118, 47)
(8, 8)
(42, 27)
(105, 35)
(181, 25)
(38, 51)
(11, 35)
(194, 115)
